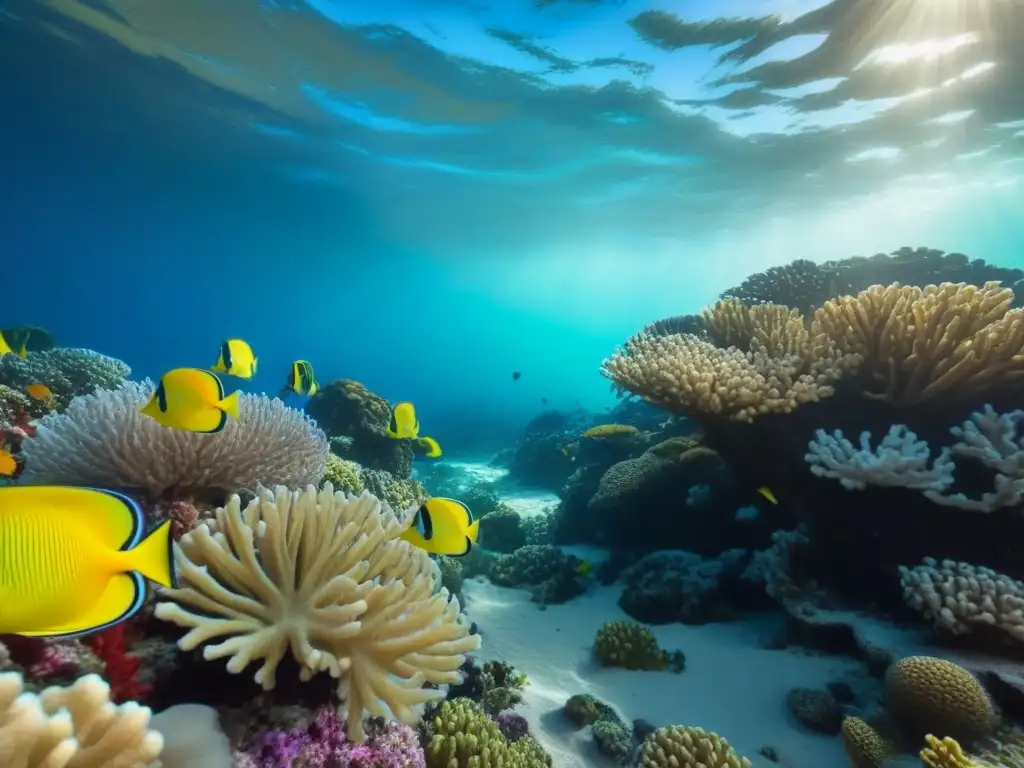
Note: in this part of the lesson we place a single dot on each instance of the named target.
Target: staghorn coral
(991, 439)
(900, 460)
(683, 374)
(66, 371)
(326, 576)
(465, 737)
(103, 440)
(630, 645)
(72, 727)
(920, 343)
(678, 746)
(960, 597)
(929, 695)
(777, 328)
(864, 745)
(691, 324)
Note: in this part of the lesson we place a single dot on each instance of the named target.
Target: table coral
(324, 576)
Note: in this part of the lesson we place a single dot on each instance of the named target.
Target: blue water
(428, 196)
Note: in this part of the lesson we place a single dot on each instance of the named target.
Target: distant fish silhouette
(543, 401)
(516, 375)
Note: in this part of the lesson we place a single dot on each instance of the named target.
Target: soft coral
(122, 668)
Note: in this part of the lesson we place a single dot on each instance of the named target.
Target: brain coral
(929, 695)
(103, 440)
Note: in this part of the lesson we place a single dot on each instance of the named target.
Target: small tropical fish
(404, 424)
(41, 392)
(429, 447)
(583, 568)
(236, 358)
(443, 527)
(193, 400)
(543, 401)
(767, 493)
(75, 560)
(516, 375)
(11, 466)
(301, 380)
(6, 349)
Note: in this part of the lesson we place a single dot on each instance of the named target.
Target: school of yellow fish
(75, 561)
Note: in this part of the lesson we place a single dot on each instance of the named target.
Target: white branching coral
(991, 439)
(957, 596)
(327, 577)
(73, 727)
(901, 460)
(103, 440)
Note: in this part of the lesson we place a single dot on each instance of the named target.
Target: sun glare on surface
(925, 50)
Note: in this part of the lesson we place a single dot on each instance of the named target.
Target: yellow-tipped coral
(324, 576)
(945, 753)
(687, 747)
(611, 430)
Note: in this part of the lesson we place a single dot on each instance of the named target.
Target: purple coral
(513, 726)
(323, 745)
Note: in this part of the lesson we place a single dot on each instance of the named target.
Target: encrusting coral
(103, 440)
(72, 727)
(689, 747)
(327, 577)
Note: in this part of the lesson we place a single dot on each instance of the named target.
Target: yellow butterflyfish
(443, 527)
(767, 493)
(42, 393)
(193, 400)
(429, 447)
(6, 349)
(301, 380)
(404, 424)
(74, 560)
(11, 466)
(236, 358)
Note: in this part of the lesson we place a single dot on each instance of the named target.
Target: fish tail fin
(23, 350)
(473, 532)
(154, 556)
(230, 404)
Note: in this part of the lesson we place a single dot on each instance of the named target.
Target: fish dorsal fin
(115, 519)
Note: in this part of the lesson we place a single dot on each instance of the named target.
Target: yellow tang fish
(404, 424)
(5, 348)
(443, 527)
(10, 468)
(430, 447)
(236, 358)
(74, 560)
(301, 380)
(191, 399)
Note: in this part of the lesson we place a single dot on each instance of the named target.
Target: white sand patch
(475, 472)
(529, 503)
(731, 685)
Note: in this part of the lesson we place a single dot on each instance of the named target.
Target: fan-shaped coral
(103, 440)
(325, 576)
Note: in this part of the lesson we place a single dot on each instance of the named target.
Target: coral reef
(347, 408)
(66, 371)
(549, 573)
(463, 736)
(103, 440)
(366, 609)
(688, 747)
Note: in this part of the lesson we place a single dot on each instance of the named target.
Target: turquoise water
(429, 196)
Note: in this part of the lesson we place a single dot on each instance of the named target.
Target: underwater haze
(430, 196)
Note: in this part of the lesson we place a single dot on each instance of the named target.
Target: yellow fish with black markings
(428, 446)
(301, 380)
(193, 400)
(404, 425)
(74, 560)
(5, 348)
(236, 358)
(443, 527)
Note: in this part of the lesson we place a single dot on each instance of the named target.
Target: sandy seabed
(731, 684)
